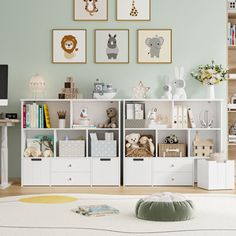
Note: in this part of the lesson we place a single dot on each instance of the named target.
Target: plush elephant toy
(155, 45)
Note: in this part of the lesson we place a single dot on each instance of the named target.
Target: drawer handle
(36, 159)
(138, 159)
(173, 179)
(70, 179)
(172, 165)
(105, 159)
(69, 165)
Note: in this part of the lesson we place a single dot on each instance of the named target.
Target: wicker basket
(138, 152)
(172, 150)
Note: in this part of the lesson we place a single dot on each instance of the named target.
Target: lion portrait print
(69, 46)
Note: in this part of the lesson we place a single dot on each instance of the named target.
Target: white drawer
(105, 171)
(66, 178)
(70, 164)
(36, 171)
(171, 164)
(138, 171)
(173, 178)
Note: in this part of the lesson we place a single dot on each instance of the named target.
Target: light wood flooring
(16, 190)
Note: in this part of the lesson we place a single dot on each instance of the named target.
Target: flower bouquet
(210, 75)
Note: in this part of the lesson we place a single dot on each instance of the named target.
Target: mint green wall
(199, 34)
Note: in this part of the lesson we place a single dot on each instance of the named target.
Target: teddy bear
(132, 140)
(147, 143)
(112, 118)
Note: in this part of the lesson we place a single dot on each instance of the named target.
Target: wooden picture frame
(148, 53)
(133, 10)
(69, 46)
(118, 52)
(85, 10)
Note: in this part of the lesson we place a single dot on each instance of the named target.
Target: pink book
(24, 116)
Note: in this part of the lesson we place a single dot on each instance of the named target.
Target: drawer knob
(172, 178)
(70, 165)
(70, 179)
(172, 165)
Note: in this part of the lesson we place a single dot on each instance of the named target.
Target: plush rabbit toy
(167, 89)
(179, 84)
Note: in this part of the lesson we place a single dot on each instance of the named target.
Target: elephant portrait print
(112, 46)
(155, 46)
(91, 10)
(69, 46)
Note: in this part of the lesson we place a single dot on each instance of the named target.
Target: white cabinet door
(173, 178)
(172, 164)
(67, 178)
(36, 171)
(138, 171)
(105, 171)
(74, 164)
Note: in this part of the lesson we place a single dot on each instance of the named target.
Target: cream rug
(215, 215)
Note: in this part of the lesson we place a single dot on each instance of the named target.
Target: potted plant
(210, 75)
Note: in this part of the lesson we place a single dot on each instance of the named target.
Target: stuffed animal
(32, 152)
(132, 140)
(167, 89)
(147, 144)
(179, 84)
(48, 153)
(112, 118)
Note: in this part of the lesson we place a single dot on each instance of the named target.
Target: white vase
(211, 92)
(61, 123)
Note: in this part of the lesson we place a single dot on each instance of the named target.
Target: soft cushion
(165, 207)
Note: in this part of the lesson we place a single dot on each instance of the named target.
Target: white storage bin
(103, 148)
(72, 148)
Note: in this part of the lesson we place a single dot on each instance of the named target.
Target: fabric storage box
(103, 148)
(172, 150)
(72, 148)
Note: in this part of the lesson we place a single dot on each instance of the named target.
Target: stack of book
(36, 116)
(135, 111)
(231, 34)
(181, 115)
(96, 210)
(232, 138)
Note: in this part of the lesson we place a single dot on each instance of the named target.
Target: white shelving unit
(77, 171)
(157, 171)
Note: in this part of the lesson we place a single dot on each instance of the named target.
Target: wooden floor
(16, 190)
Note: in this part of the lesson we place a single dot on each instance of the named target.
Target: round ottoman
(165, 207)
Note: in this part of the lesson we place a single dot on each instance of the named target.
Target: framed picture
(91, 10)
(155, 46)
(133, 10)
(69, 46)
(112, 46)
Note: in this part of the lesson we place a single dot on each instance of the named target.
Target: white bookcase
(158, 171)
(79, 171)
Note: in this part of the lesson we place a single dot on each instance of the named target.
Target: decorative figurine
(179, 84)
(102, 91)
(69, 91)
(205, 119)
(172, 139)
(167, 89)
(141, 91)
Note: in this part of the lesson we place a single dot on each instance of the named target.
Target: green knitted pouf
(165, 207)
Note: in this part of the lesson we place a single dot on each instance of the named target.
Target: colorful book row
(231, 34)
(36, 116)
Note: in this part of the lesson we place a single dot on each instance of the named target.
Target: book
(175, 116)
(24, 116)
(185, 117)
(138, 111)
(180, 116)
(27, 115)
(47, 117)
(191, 118)
(96, 210)
(130, 111)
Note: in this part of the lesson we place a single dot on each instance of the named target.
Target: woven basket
(172, 150)
(138, 152)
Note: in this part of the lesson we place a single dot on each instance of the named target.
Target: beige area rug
(215, 215)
